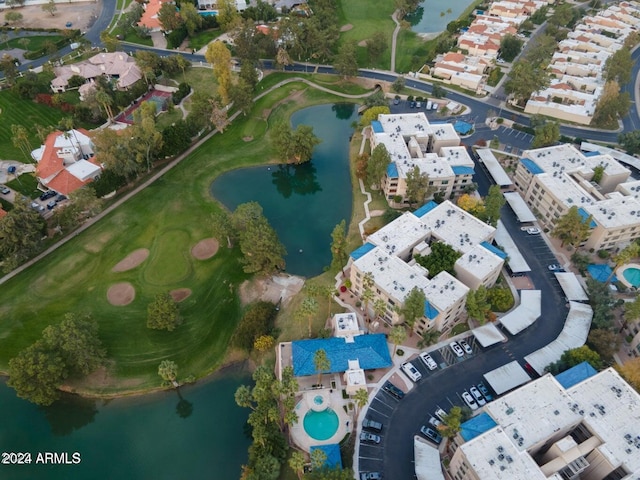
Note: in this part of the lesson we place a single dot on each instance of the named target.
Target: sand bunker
(346, 28)
(204, 249)
(132, 260)
(180, 294)
(121, 294)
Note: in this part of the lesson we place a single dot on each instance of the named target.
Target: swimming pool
(208, 13)
(632, 275)
(321, 425)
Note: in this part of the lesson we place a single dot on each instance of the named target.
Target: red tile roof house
(2, 213)
(66, 161)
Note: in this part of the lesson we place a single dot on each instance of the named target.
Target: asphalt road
(443, 387)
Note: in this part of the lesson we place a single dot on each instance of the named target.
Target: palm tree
(308, 309)
(297, 462)
(624, 256)
(428, 338)
(321, 362)
(397, 335)
(379, 307)
(105, 100)
(168, 370)
(361, 398)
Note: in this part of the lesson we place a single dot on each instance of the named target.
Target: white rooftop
(403, 233)
(83, 169)
(488, 334)
(346, 324)
(516, 261)
(507, 377)
(571, 287)
(479, 261)
(519, 207)
(427, 460)
(617, 211)
(444, 290)
(525, 314)
(495, 169)
(457, 156)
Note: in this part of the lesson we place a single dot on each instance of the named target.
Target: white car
(428, 361)
(441, 414)
(469, 400)
(411, 371)
(478, 396)
(457, 349)
(434, 422)
(466, 347)
(531, 230)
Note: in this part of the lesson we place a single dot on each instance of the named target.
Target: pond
(432, 16)
(303, 203)
(198, 434)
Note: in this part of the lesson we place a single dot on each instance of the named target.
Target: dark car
(431, 434)
(61, 197)
(391, 389)
(4, 190)
(47, 195)
(51, 205)
(372, 425)
(412, 105)
(370, 476)
(485, 391)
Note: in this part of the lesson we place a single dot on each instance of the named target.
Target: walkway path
(394, 37)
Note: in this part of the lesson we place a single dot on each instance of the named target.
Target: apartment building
(388, 256)
(569, 427)
(462, 70)
(553, 179)
(413, 142)
(577, 68)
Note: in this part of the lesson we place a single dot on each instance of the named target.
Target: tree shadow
(70, 413)
(296, 179)
(344, 111)
(184, 408)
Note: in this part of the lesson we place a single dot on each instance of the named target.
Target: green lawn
(167, 218)
(201, 39)
(26, 184)
(16, 111)
(35, 43)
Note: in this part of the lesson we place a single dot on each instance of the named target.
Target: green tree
(169, 17)
(318, 459)
(219, 56)
(297, 461)
(493, 203)
(50, 7)
(630, 141)
(321, 363)
(501, 299)
(372, 114)
(574, 356)
(294, 146)
(510, 47)
(21, 232)
(242, 96)
(168, 371)
(379, 307)
(190, 17)
(398, 84)
(376, 45)
(612, 105)
(625, 255)
(308, 309)
(339, 255)
(360, 398)
(222, 227)
(524, 78)
(116, 152)
(413, 308)
(581, 261)
(377, 165)
(258, 320)
(631, 311)
(397, 335)
(441, 259)
(345, 62)
(618, 66)
(546, 135)
(163, 313)
(451, 423)
(477, 304)
(8, 68)
(367, 292)
(146, 140)
(228, 16)
(418, 190)
(571, 228)
(20, 139)
(429, 337)
(604, 342)
(13, 18)
(598, 172)
(148, 63)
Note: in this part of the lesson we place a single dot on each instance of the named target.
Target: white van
(411, 371)
(429, 104)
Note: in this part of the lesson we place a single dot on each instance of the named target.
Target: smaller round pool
(318, 399)
(321, 425)
(632, 275)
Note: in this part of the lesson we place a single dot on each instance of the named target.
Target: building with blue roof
(424, 209)
(476, 426)
(360, 251)
(531, 166)
(392, 170)
(333, 456)
(576, 374)
(371, 351)
(463, 128)
(585, 216)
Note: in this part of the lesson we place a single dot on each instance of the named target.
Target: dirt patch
(271, 289)
(362, 43)
(101, 379)
(346, 28)
(180, 294)
(247, 139)
(132, 260)
(121, 294)
(80, 15)
(96, 244)
(204, 249)
(295, 96)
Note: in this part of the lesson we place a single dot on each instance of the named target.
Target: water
(321, 425)
(632, 275)
(432, 16)
(303, 203)
(159, 436)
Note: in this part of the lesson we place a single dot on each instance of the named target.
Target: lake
(432, 16)
(303, 203)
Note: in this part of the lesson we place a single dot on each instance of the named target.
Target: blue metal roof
(531, 166)
(477, 426)
(361, 251)
(376, 126)
(332, 451)
(584, 216)
(575, 375)
(463, 170)
(495, 250)
(426, 208)
(601, 272)
(462, 127)
(392, 170)
(430, 311)
(591, 154)
(371, 351)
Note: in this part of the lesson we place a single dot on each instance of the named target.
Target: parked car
(428, 361)
(431, 434)
(441, 414)
(37, 206)
(434, 422)
(391, 389)
(412, 105)
(372, 425)
(4, 190)
(485, 391)
(47, 195)
(396, 101)
(369, 437)
(469, 400)
(51, 205)
(457, 349)
(370, 476)
(478, 396)
(418, 104)
(554, 267)
(411, 371)
(61, 197)
(466, 347)
(531, 230)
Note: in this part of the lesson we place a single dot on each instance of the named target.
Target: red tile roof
(2, 213)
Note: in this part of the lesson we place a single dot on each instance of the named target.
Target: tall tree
(397, 335)
(146, 140)
(361, 398)
(219, 56)
(613, 104)
(376, 45)
(20, 139)
(242, 96)
(322, 363)
(228, 16)
(116, 151)
(546, 135)
(221, 226)
(379, 307)
(442, 258)
(429, 337)
(163, 313)
(625, 255)
(9, 68)
(191, 18)
(308, 309)
(148, 63)
(630, 141)
(618, 66)
(524, 78)
(168, 371)
(413, 308)
(294, 146)
(50, 7)
(451, 423)
(418, 190)
(297, 461)
(493, 202)
(477, 305)
(21, 232)
(377, 165)
(571, 228)
(346, 62)
(339, 255)
(169, 17)
(510, 47)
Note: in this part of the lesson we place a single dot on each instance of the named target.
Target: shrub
(400, 352)
(603, 254)
(183, 91)
(108, 182)
(500, 121)
(258, 320)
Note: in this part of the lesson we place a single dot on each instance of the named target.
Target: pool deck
(620, 274)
